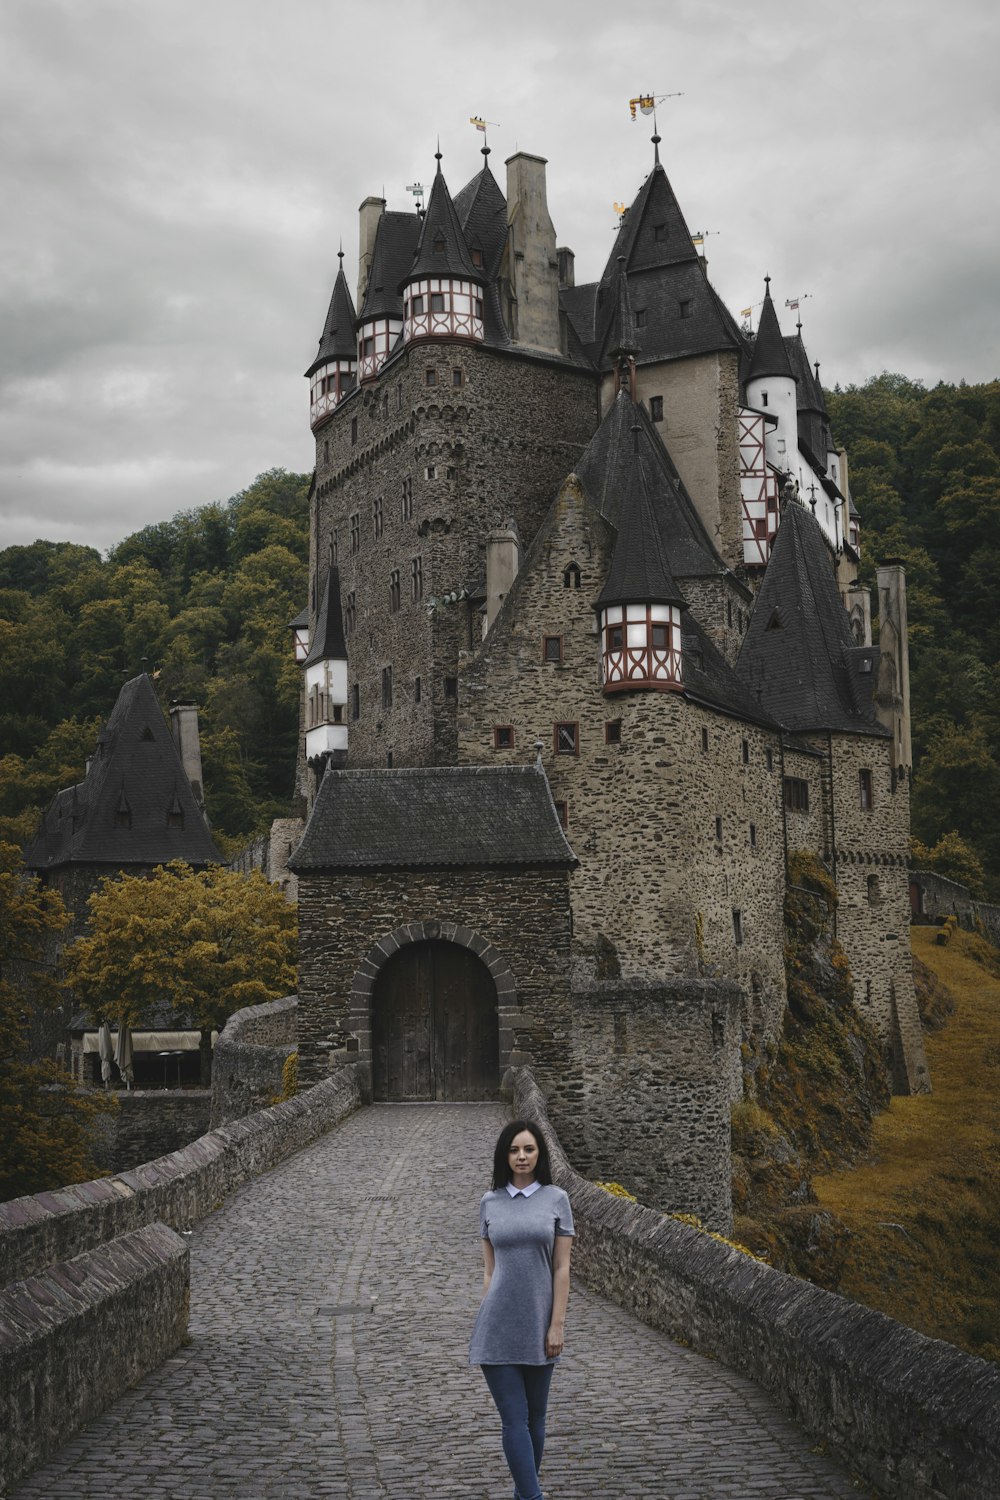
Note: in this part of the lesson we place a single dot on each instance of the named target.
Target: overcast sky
(176, 176)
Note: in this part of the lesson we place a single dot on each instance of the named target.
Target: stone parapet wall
(938, 897)
(36, 1232)
(77, 1335)
(150, 1123)
(915, 1416)
(249, 1057)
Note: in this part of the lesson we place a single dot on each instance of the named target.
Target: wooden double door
(435, 1032)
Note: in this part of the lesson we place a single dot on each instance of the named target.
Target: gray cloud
(177, 178)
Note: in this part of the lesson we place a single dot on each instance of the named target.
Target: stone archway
(432, 1008)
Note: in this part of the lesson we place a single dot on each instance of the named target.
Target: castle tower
(325, 671)
(334, 370)
(639, 607)
(771, 387)
(443, 291)
(393, 244)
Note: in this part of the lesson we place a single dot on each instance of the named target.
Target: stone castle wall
(149, 1123)
(475, 455)
(934, 897)
(249, 1058)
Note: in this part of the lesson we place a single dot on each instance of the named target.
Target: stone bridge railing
(80, 1264)
(916, 1416)
(249, 1056)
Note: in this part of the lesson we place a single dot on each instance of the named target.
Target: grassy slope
(924, 1210)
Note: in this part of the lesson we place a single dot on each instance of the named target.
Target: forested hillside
(203, 603)
(925, 474)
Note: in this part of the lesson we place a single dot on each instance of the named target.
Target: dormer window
(685, 307)
(659, 232)
(439, 245)
(640, 317)
(477, 257)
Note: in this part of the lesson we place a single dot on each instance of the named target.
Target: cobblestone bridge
(331, 1304)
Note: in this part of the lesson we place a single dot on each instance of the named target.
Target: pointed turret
(325, 669)
(380, 321)
(813, 422)
(640, 605)
(333, 372)
(442, 290)
(771, 387)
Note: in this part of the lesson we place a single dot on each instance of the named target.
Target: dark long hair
(501, 1166)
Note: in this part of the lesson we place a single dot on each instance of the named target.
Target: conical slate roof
(604, 469)
(808, 395)
(640, 566)
(441, 250)
(395, 246)
(328, 641)
(337, 340)
(770, 357)
(482, 212)
(134, 806)
(798, 657)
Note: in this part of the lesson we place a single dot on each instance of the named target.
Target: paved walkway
(331, 1307)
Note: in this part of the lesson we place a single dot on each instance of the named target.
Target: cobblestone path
(330, 1312)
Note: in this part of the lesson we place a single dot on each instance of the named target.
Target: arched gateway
(435, 1028)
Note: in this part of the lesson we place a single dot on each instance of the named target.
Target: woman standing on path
(526, 1225)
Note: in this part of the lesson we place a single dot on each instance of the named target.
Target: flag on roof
(479, 124)
(745, 312)
(792, 303)
(645, 102)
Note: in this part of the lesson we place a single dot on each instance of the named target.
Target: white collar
(516, 1192)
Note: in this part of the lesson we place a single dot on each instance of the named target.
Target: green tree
(953, 858)
(200, 943)
(46, 1121)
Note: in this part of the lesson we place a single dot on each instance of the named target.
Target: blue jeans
(521, 1393)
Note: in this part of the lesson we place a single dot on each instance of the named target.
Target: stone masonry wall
(75, 1336)
(249, 1057)
(36, 1232)
(475, 455)
(347, 922)
(916, 1417)
(659, 880)
(940, 897)
(644, 1099)
(151, 1123)
(873, 914)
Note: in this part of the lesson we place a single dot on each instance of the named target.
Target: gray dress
(515, 1314)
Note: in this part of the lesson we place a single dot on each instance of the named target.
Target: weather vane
(481, 124)
(646, 104)
(417, 189)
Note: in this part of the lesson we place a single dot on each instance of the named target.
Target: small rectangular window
(640, 317)
(659, 232)
(613, 732)
(477, 256)
(437, 302)
(430, 377)
(704, 739)
(866, 790)
(769, 758)
(457, 377)
(718, 829)
(416, 305)
(335, 546)
(451, 472)
(753, 835)
(388, 760)
(562, 813)
(386, 687)
(503, 736)
(326, 450)
(685, 307)
(416, 689)
(350, 613)
(451, 687)
(356, 532)
(567, 739)
(656, 408)
(416, 578)
(407, 502)
(552, 648)
(355, 702)
(796, 794)
(745, 751)
(377, 520)
(737, 927)
(431, 471)
(354, 429)
(394, 591)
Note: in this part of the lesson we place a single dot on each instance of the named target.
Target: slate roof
(770, 357)
(640, 566)
(395, 247)
(808, 396)
(623, 337)
(605, 468)
(136, 769)
(798, 658)
(482, 212)
(441, 227)
(328, 640)
(472, 816)
(338, 340)
(708, 677)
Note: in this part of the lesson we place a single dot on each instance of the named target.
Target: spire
(441, 249)
(640, 570)
(337, 340)
(770, 357)
(656, 149)
(328, 643)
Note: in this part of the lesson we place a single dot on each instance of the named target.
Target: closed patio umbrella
(123, 1054)
(104, 1051)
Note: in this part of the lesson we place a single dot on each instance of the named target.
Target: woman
(526, 1225)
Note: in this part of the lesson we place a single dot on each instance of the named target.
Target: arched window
(571, 576)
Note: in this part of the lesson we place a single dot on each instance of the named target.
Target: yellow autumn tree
(46, 1120)
(198, 943)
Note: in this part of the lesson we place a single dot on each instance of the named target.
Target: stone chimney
(184, 725)
(567, 266)
(503, 558)
(531, 265)
(892, 693)
(858, 603)
(369, 214)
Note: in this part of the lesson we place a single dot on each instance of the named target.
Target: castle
(585, 657)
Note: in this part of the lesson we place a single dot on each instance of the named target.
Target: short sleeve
(564, 1216)
(484, 1217)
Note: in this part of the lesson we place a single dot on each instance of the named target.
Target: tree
(46, 1120)
(200, 943)
(953, 858)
